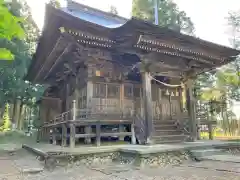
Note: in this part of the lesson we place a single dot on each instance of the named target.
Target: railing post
(133, 132)
(74, 110)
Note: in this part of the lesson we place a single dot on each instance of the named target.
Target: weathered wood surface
(147, 100)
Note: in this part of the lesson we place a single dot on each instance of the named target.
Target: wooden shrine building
(105, 71)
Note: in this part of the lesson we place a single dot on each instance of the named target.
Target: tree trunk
(1, 113)
(11, 111)
(21, 117)
(16, 112)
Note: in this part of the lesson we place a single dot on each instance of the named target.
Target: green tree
(168, 14)
(113, 10)
(55, 3)
(9, 28)
(232, 71)
(13, 88)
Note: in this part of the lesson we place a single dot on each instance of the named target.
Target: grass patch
(14, 137)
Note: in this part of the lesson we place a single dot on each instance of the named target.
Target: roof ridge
(86, 8)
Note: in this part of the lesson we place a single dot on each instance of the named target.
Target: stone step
(169, 138)
(165, 127)
(206, 152)
(167, 132)
(165, 122)
(167, 141)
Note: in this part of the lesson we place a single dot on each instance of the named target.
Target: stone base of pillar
(150, 141)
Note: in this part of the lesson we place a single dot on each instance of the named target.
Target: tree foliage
(55, 3)
(232, 71)
(12, 83)
(227, 78)
(169, 14)
(113, 10)
(224, 87)
(9, 28)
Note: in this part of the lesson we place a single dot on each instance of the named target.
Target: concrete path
(215, 166)
(17, 163)
(224, 158)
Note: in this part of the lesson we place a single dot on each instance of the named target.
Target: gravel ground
(206, 170)
(169, 173)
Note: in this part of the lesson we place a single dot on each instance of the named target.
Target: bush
(6, 120)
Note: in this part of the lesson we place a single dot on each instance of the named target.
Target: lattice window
(99, 90)
(82, 103)
(113, 91)
(128, 91)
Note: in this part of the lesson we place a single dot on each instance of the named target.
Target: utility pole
(156, 11)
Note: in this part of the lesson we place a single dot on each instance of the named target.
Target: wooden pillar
(54, 136)
(191, 104)
(64, 135)
(121, 99)
(67, 96)
(121, 102)
(147, 102)
(88, 129)
(74, 110)
(72, 135)
(98, 133)
(43, 134)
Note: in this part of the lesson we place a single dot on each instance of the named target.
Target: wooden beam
(174, 54)
(180, 47)
(86, 35)
(66, 50)
(172, 74)
(46, 61)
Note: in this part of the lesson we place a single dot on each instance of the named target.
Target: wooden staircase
(168, 131)
(165, 131)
